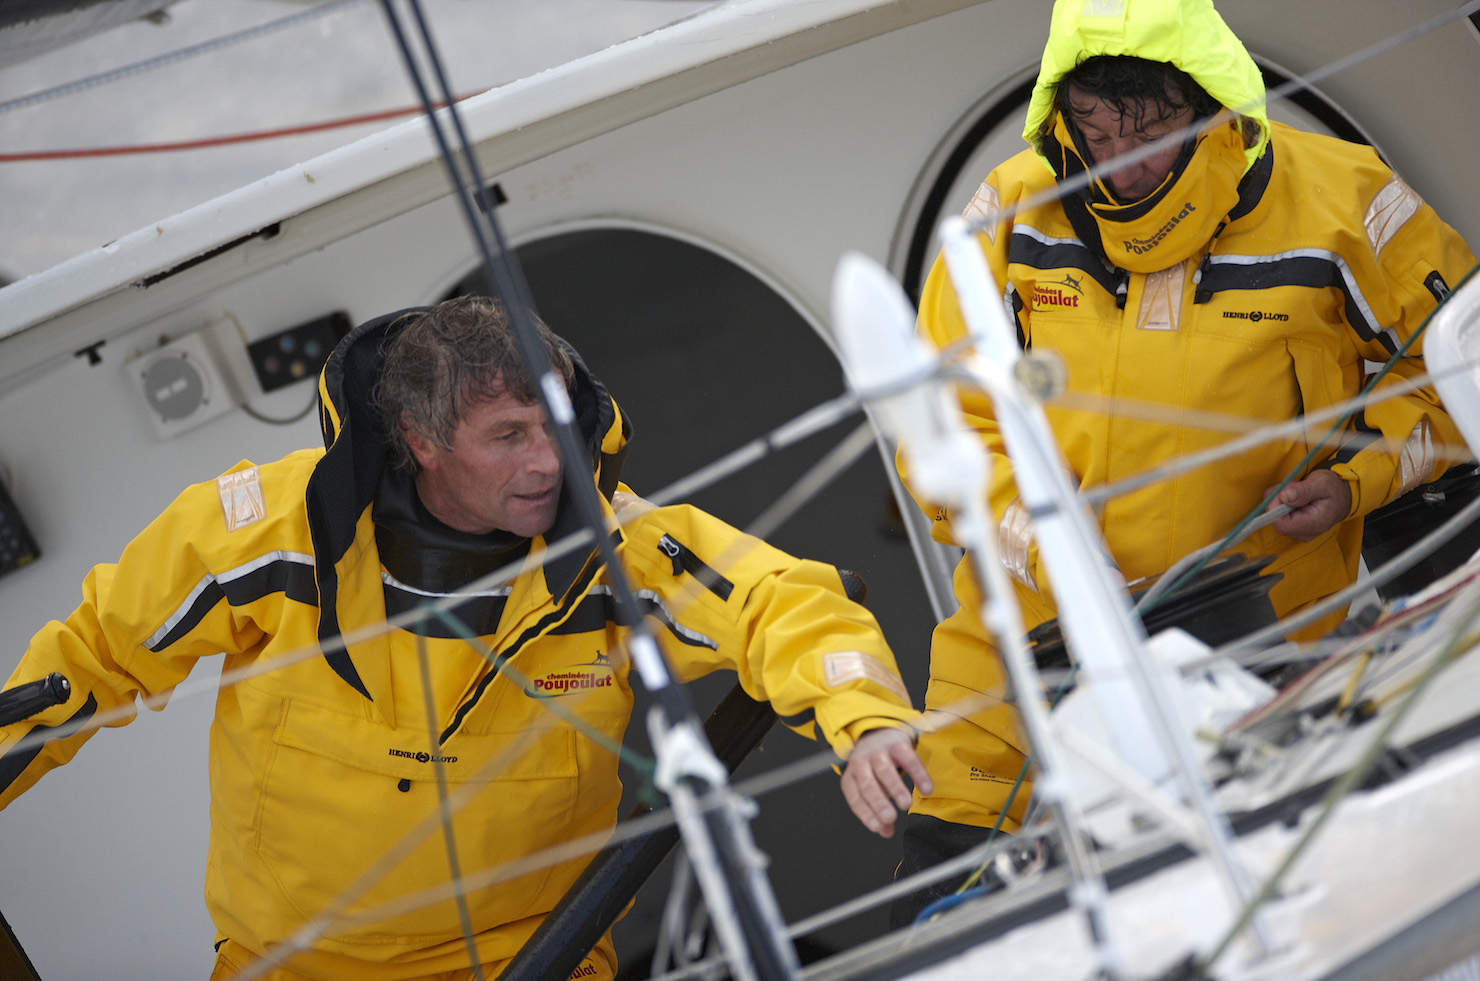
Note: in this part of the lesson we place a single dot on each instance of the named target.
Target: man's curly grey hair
(443, 360)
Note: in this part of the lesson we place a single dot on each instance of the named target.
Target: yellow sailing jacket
(1309, 258)
(1327, 261)
(324, 762)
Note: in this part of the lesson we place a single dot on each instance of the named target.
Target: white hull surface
(760, 141)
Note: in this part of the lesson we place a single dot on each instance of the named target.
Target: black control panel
(298, 352)
(17, 546)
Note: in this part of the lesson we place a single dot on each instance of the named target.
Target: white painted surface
(786, 169)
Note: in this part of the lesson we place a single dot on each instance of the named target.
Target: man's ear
(421, 447)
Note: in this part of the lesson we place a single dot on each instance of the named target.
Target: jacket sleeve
(784, 625)
(1408, 262)
(117, 645)
(940, 322)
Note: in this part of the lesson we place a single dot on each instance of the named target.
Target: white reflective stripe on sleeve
(665, 616)
(1049, 240)
(183, 610)
(671, 622)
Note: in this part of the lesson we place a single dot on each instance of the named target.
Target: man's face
(503, 471)
(1108, 134)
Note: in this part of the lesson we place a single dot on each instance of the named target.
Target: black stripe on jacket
(1311, 269)
(293, 579)
(14, 762)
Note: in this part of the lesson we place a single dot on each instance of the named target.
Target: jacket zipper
(686, 561)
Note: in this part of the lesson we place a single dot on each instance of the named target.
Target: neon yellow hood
(1187, 33)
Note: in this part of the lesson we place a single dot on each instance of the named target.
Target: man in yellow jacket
(335, 728)
(1239, 266)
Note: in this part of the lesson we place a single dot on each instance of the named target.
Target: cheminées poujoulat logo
(1054, 295)
(1140, 246)
(574, 679)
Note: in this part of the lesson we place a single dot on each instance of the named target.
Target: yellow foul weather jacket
(1254, 285)
(324, 762)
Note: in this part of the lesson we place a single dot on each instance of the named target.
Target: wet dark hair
(443, 360)
(1134, 88)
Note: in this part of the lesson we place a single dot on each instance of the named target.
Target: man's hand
(871, 781)
(1319, 501)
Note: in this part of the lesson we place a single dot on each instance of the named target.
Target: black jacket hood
(357, 457)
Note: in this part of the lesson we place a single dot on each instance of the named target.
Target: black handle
(24, 701)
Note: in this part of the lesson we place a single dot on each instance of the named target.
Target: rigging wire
(507, 282)
(806, 768)
(338, 914)
(444, 811)
(823, 415)
(1451, 19)
(1196, 560)
(1448, 18)
(338, 911)
(746, 914)
(768, 958)
(821, 474)
(749, 452)
(1385, 635)
(1174, 575)
(1188, 570)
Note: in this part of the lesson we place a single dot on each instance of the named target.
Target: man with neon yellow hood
(1242, 267)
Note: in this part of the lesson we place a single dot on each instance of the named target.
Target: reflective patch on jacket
(983, 210)
(1161, 299)
(1389, 211)
(1015, 537)
(841, 667)
(1416, 461)
(241, 498)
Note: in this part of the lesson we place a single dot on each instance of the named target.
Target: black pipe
(14, 964)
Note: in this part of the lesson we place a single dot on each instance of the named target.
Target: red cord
(271, 134)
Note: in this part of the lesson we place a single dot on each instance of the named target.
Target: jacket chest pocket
(349, 819)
